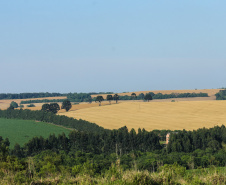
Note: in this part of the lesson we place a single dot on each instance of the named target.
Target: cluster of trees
(189, 141)
(49, 117)
(119, 141)
(221, 95)
(54, 107)
(28, 95)
(109, 98)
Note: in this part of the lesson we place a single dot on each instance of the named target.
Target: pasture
(179, 115)
(21, 131)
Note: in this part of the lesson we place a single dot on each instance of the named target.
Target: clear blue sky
(115, 45)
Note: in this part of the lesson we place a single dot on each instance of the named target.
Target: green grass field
(21, 131)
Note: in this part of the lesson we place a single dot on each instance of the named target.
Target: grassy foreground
(166, 175)
(21, 131)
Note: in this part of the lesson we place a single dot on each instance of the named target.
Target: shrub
(31, 105)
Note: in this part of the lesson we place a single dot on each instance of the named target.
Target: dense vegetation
(115, 157)
(119, 141)
(49, 117)
(221, 95)
(189, 141)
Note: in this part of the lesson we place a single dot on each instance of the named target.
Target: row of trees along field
(112, 153)
(148, 96)
(50, 117)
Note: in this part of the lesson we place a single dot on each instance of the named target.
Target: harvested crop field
(180, 115)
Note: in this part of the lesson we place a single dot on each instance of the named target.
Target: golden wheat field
(187, 115)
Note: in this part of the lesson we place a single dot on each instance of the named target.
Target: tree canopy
(14, 104)
(109, 98)
(99, 99)
(133, 95)
(52, 107)
(66, 105)
(148, 97)
(116, 98)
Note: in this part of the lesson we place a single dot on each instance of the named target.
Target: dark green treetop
(99, 99)
(66, 105)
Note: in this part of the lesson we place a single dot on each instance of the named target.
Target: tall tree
(148, 97)
(141, 96)
(54, 107)
(66, 105)
(90, 99)
(10, 107)
(109, 98)
(133, 95)
(99, 99)
(116, 98)
(45, 107)
(14, 104)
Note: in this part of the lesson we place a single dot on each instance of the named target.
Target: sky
(115, 45)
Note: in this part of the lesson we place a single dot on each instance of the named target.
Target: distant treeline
(80, 125)
(221, 95)
(101, 93)
(76, 97)
(164, 96)
(42, 101)
(29, 95)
